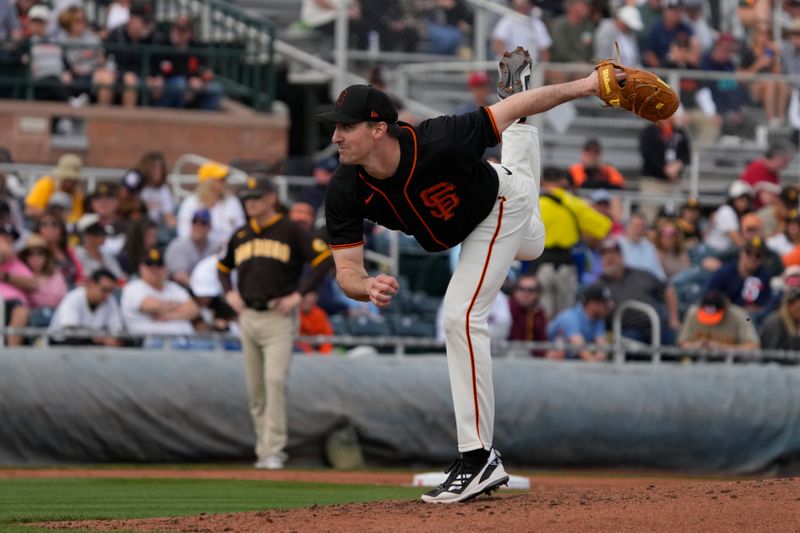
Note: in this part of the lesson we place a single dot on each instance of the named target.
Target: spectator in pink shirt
(15, 282)
(51, 286)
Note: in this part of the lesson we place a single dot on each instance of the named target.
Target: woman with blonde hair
(227, 214)
(670, 248)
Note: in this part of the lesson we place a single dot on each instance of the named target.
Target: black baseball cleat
(467, 481)
(515, 72)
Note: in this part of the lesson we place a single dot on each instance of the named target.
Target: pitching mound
(555, 504)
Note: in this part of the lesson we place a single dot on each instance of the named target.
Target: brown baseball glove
(641, 92)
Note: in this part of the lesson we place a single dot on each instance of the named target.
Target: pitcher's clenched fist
(382, 288)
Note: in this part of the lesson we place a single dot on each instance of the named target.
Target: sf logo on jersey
(442, 200)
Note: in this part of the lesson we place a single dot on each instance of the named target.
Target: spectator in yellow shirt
(64, 178)
(567, 218)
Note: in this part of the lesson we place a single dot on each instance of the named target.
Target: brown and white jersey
(270, 260)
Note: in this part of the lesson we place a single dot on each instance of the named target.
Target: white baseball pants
(513, 229)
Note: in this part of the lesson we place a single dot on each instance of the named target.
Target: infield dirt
(554, 504)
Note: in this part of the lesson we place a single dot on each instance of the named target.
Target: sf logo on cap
(340, 100)
(251, 183)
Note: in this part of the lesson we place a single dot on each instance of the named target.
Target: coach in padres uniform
(269, 254)
(429, 181)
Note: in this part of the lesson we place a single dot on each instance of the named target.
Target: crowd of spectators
(72, 59)
(127, 257)
(669, 34)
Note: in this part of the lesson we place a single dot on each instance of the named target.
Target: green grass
(33, 500)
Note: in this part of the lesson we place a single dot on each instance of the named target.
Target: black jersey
(270, 260)
(440, 192)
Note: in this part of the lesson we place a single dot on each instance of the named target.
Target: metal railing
(239, 49)
(400, 346)
(655, 329)
(245, 76)
(222, 22)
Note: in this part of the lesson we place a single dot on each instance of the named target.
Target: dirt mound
(572, 504)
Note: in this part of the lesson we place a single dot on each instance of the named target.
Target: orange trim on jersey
(222, 268)
(494, 125)
(408, 181)
(342, 246)
(396, 214)
(469, 311)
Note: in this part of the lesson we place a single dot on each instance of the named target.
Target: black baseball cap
(142, 10)
(10, 230)
(756, 245)
(711, 310)
(596, 293)
(256, 188)
(790, 197)
(153, 257)
(362, 103)
(105, 190)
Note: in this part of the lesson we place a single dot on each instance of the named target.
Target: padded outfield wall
(64, 405)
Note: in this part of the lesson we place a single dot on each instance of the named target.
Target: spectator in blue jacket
(745, 280)
(671, 42)
(582, 324)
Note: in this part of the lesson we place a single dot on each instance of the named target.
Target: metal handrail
(655, 328)
(513, 349)
(242, 72)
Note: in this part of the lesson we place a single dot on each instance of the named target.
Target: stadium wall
(117, 137)
(67, 406)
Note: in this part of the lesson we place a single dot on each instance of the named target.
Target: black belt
(557, 256)
(260, 305)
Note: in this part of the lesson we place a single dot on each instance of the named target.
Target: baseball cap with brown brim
(712, 308)
(256, 188)
(362, 103)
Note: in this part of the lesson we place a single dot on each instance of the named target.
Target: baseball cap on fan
(630, 16)
(362, 103)
(711, 310)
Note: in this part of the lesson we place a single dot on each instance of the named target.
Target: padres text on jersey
(270, 260)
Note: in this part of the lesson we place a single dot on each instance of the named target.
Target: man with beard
(634, 284)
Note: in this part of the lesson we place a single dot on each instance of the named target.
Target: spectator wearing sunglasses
(528, 321)
(89, 313)
(745, 280)
(183, 254)
(50, 284)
